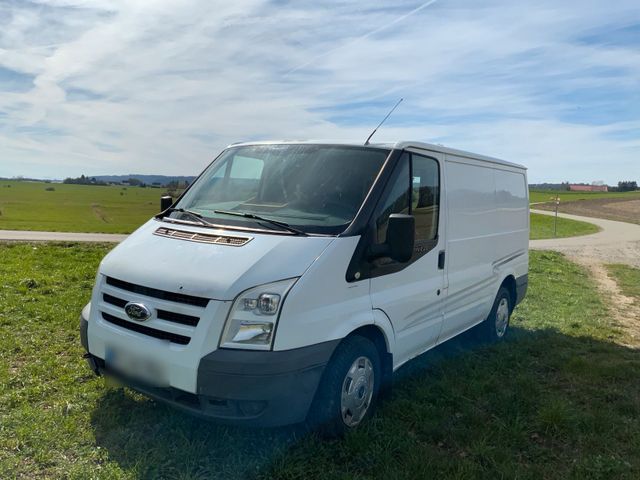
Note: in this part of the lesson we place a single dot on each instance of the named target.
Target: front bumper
(253, 388)
(521, 287)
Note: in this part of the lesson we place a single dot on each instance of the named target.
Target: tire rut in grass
(624, 309)
(99, 213)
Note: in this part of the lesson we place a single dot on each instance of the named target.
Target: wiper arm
(253, 216)
(199, 218)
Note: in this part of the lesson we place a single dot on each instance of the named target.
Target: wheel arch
(509, 283)
(377, 336)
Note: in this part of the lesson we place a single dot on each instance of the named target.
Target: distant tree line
(623, 186)
(627, 186)
(82, 180)
(175, 188)
(173, 185)
(550, 186)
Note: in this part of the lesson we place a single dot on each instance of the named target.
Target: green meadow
(59, 207)
(560, 399)
(542, 226)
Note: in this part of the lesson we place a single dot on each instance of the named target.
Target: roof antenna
(383, 120)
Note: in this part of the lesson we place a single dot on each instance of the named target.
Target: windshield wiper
(253, 216)
(199, 218)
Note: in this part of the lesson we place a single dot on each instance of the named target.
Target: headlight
(253, 317)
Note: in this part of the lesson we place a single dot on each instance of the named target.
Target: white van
(291, 279)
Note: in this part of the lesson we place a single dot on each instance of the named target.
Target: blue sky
(120, 86)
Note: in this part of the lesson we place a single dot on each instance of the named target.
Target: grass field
(565, 196)
(542, 227)
(628, 279)
(75, 208)
(560, 399)
(82, 208)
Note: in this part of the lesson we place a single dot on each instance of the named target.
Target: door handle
(441, 259)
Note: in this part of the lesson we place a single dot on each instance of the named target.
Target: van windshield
(314, 188)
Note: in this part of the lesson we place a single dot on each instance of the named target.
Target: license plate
(136, 367)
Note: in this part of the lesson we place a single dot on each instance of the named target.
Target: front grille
(152, 332)
(178, 318)
(174, 316)
(118, 302)
(161, 294)
(232, 241)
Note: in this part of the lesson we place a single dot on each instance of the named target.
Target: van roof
(389, 145)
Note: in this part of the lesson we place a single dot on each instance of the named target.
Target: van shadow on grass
(543, 404)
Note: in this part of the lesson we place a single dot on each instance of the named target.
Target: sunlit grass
(75, 208)
(628, 279)
(542, 226)
(560, 399)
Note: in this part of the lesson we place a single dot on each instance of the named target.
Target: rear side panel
(488, 229)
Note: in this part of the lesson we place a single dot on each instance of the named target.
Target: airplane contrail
(363, 37)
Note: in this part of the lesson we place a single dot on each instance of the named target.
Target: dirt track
(617, 242)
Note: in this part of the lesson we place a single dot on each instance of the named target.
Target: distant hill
(148, 179)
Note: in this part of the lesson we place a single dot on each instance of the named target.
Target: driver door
(411, 294)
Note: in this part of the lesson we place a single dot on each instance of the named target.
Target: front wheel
(349, 388)
(495, 327)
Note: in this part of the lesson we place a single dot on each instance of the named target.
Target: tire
(496, 325)
(348, 392)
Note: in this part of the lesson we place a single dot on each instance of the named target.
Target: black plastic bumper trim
(522, 283)
(84, 326)
(285, 381)
(242, 387)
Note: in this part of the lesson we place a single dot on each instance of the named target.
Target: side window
(397, 201)
(425, 197)
(414, 189)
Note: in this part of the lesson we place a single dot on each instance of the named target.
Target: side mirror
(165, 202)
(400, 236)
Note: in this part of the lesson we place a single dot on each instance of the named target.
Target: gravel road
(31, 236)
(616, 242)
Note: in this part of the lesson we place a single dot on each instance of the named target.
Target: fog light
(252, 409)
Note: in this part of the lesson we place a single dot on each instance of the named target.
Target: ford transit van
(291, 279)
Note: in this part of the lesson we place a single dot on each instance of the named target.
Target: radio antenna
(383, 120)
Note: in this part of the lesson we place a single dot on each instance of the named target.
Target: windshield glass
(315, 188)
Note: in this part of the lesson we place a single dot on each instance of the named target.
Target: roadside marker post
(555, 220)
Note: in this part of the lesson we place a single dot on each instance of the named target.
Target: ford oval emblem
(137, 311)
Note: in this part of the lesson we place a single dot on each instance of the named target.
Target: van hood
(210, 270)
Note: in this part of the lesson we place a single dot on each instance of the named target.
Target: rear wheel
(495, 327)
(349, 388)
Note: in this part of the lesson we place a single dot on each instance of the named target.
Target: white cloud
(162, 86)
